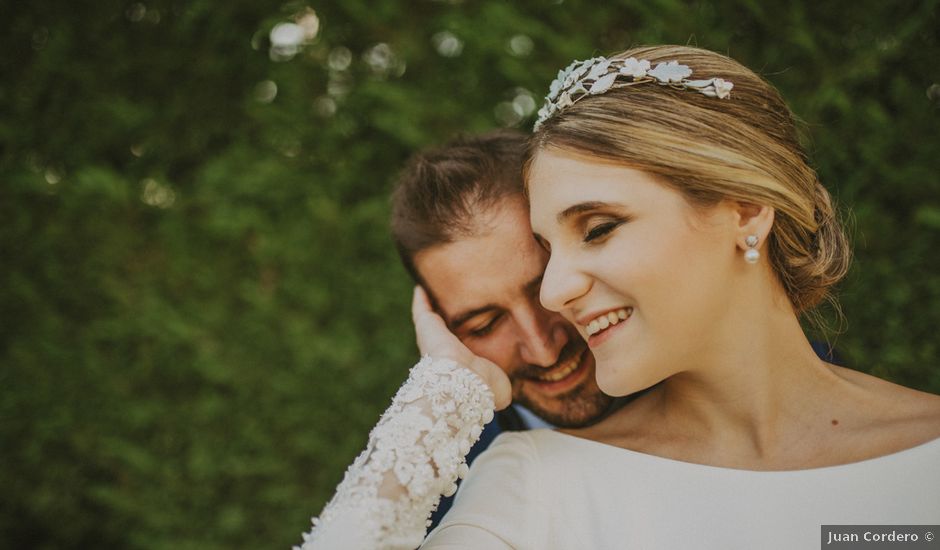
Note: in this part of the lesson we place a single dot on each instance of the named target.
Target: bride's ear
(753, 220)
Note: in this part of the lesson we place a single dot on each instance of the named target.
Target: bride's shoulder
(515, 455)
(902, 417)
(528, 443)
(909, 399)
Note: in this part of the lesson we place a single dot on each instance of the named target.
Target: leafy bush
(202, 313)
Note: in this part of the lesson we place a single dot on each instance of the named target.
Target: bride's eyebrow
(583, 207)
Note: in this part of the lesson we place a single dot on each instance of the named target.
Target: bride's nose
(562, 283)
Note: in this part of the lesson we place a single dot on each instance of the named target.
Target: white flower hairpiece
(599, 74)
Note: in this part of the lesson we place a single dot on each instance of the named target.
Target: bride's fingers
(432, 334)
(420, 303)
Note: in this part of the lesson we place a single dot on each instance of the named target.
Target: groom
(461, 225)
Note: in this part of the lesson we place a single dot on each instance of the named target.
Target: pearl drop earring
(751, 255)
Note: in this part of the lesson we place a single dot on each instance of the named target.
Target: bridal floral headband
(597, 75)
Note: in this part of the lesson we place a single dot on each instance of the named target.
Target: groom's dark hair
(443, 190)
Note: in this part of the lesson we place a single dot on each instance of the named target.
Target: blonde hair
(743, 148)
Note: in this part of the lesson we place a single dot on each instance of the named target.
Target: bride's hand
(436, 340)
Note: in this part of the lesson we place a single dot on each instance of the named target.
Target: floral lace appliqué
(415, 454)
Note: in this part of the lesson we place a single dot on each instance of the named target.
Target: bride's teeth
(607, 320)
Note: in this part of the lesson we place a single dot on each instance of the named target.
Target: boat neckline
(920, 447)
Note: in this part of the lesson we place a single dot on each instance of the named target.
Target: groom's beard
(581, 406)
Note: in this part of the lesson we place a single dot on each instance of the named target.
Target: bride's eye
(600, 230)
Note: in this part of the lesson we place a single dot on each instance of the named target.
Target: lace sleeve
(414, 455)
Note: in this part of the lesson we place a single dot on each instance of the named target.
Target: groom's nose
(541, 336)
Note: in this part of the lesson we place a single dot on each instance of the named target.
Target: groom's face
(487, 289)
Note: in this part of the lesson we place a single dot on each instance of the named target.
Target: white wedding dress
(545, 490)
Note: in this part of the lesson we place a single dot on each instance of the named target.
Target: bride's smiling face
(645, 277)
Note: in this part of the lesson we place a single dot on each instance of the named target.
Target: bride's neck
(756, 390)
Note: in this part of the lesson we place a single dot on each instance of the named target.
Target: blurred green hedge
(201, 312)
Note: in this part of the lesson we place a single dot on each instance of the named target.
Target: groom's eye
(487, 328)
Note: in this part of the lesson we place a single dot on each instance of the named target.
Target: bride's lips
(567, 374)
(601, 325)
(597, 339)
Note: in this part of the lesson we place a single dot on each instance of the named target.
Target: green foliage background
(201, 313)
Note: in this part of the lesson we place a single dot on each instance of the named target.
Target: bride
(688, 235)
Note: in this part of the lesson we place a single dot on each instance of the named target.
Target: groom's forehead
(493, 267)
(490, 287)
